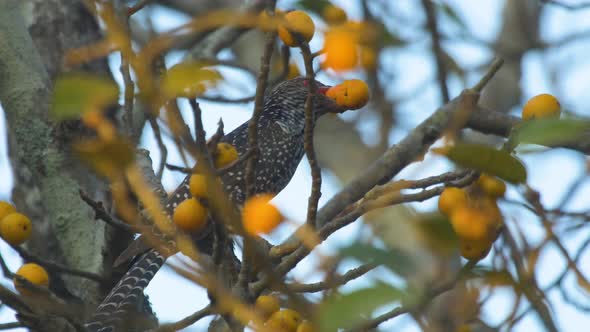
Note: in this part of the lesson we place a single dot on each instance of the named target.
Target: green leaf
(77, 93)
(347, 311)
(188, 79)
(316, 6)
(393, 259)
(488, 160)
(550, 131)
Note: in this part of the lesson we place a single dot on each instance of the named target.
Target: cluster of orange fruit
(474, 214)
(16, 228)
(347, 44)
(277, 319)
(258, 214)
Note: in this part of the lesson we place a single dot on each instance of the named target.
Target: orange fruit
(298, 26)
(266, 305)
(285, 320)
(474, 249)
(6, 209)
(260, 216)
(334, 14)
(541, 106)
(470, 223)
(225, 155)
(15, 228)
(198, 185)
(190, 215)
(489, 207)
(340, 49)
(34, 273)
(491, 185)
(352, 94)
(450, 199)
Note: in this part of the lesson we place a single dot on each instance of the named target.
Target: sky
(549, 172)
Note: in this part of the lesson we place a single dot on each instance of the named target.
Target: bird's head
(291, 95)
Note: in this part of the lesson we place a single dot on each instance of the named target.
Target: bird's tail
(112, 313)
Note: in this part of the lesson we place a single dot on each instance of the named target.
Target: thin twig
(181, 169)
(5, 269)
(163, 150)
(138, 6)
(58, 267)
(8, 326)
(335, 281)
(439, 55)
(250, 172)
(492, 70)
(244, 157)
(129, 97)
(261, 84)
(316, 172)
(101, 213)
(185, 322)
(577, 6)
(220, 99)
(427, 298)
(528, 284)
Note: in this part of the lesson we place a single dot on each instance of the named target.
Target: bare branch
(431, 23)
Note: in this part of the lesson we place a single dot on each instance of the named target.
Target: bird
(281, 129)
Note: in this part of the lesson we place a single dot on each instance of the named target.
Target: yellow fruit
(190, 215)
(541, 106)
(225, 155)
(305, 326)
(34, 273)
(491, 185)
(470, 223)
(450, 199)
(198, 185)
(266, 305)
(260, 216)
(489, 208)
(340, 49)
(6, 209)
(474, 249)
(352, 94)
(334, 15)
(15, 228)
(298, 27)
(285, 320)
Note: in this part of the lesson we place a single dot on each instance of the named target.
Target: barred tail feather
(113, 309)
